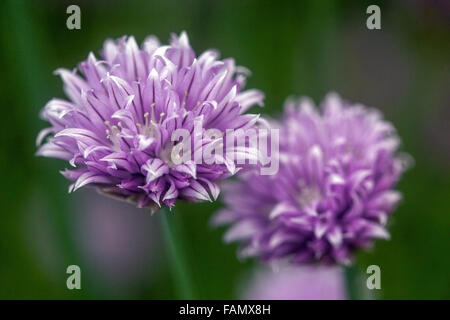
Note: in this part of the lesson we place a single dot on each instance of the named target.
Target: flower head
(332, 194)
(116, 127)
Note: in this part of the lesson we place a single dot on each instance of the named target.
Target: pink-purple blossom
(296, 283)
(333, 193)
(115, 127)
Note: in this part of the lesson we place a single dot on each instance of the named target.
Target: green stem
(351, 279)
(177, 255)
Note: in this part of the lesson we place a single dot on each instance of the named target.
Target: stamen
(113, 132)
(183, 103)
(146, 118)
(152, 106)
(161, 115)
(309, 195)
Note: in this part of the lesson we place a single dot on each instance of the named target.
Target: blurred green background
(292, 47)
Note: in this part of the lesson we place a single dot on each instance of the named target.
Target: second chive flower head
(333, 193)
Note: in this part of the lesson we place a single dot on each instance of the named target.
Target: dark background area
(292, 48)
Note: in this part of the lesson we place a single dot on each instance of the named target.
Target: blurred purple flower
(116, 127)
(297, 283)
(333, 192)
(120, 247)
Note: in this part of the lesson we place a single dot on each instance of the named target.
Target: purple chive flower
(332, 194)
(115, 128)
(297, 283)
